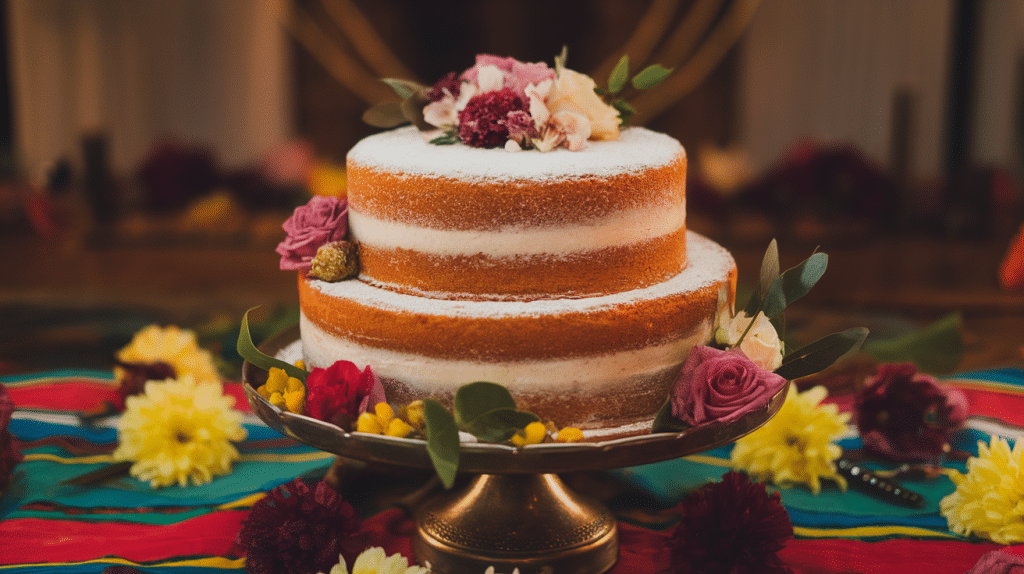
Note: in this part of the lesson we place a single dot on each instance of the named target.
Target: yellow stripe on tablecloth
(94, 459)
(870, 532)
(259, 457)
(205, 562)
(707, 459)
(244, 502)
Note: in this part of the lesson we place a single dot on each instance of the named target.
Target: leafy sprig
(645, 79)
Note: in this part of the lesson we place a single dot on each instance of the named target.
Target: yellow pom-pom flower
(534, 433)
(383, 421)
(569, 434)
(284, 392)
(797, 445)
(989, 499)
(174, 346)
(179, 432)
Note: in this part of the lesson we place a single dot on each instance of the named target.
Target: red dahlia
(731, 527)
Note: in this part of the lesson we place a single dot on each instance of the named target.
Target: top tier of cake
(457, 222)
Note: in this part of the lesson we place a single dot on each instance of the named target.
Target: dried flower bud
(335, 261)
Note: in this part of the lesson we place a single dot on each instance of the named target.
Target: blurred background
(149, 151)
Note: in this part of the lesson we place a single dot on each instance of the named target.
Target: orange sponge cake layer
(455, 222)
(592, 362)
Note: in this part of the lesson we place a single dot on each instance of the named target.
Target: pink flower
(484, 122)
(322, 220)
(716, 385)
(906, 415)
(341, 390)
(449, 83)
(517, 74)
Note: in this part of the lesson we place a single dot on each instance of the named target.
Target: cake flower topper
(502, 102)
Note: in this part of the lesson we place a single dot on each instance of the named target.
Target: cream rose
(574, 92)
(761, 345)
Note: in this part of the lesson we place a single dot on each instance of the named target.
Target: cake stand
(514, 512)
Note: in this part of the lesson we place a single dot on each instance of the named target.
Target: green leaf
(448, 138)
(769, 273)
(412, 109)
(794, 284)
(650, 76)
(250, 353)
(626, 111)
(936, 349)
(499, 425)
(386, 115)
(560, 60)
(601, 91)
(405, 88)
(821, 354)
(665, 422)
(617, 79)
(442, 441)
(475, 399)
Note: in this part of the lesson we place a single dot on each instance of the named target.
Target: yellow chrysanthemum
(796, 446)
(177, 347)
(989, 499)
(375, 560)
(178, 432)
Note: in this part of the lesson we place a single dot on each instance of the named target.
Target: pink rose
(906, 415)
(322, 220)
(716, 385)
(342, 389)
(517, 74)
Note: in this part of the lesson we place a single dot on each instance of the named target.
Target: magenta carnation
(322, 220)
(10, 456)
(296, 529)
(730, 527)
(517, 74)
(716, 385)
(341, 390)
(484, 121)
(908, 416)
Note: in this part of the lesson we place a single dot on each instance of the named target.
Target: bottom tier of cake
(603, 364)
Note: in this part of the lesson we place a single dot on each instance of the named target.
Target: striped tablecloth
(47, 526)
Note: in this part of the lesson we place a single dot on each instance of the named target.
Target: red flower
(322, 220)
(299, 530)
(10, 456)
(731, 527)
(484, 121)
(716, 385)
(906, 415)
(341, 389)
(449, 82)
(133, 377)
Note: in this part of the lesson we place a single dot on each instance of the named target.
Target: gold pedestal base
(527, 521)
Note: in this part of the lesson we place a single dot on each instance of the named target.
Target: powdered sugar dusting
(709, 263)
(403, 150)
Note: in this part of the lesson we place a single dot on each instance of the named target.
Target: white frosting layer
(433, 375)
(620, 229)
(403, 150)
(709, 263)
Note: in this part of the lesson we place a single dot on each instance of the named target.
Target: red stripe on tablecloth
(829, 556)
(87, 395)
(34, 540)
(1006, 407)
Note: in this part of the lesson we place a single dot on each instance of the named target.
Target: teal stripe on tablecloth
(57, 374)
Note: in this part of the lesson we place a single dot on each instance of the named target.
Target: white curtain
(210, 72)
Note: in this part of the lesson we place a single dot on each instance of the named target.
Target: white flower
(375, 561)
(490, 79)
(574, 92)
(761, 344)
(442, 112)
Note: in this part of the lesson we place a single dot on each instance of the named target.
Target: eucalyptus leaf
(821, 354)
(769, 273)
(386, 115)
(405, 88)
(936, 349)
(665, 422)
(412, 109)
(475, 399)
(617, 79)
(651, 76)
(499, 425)
(442, 441)
(794, 284)
(250, 353)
